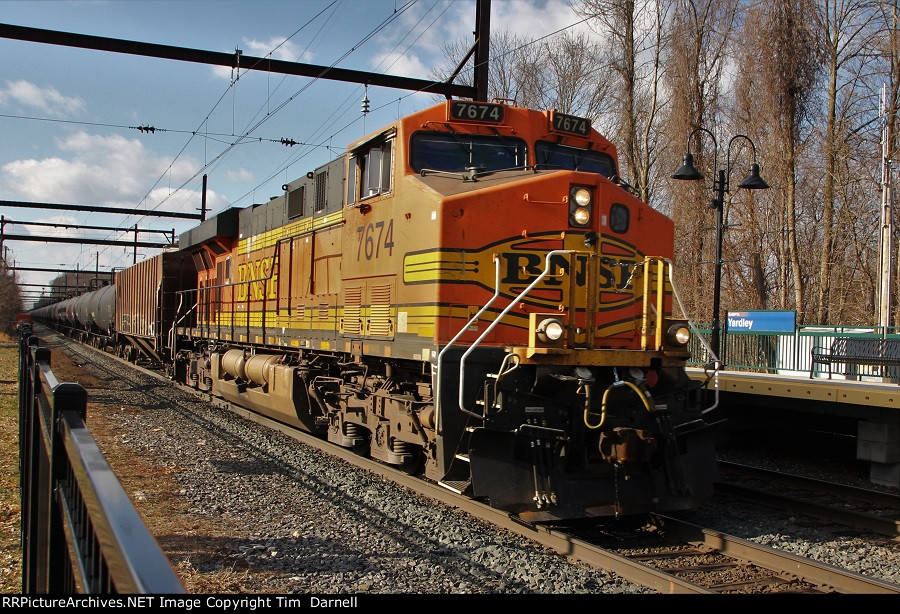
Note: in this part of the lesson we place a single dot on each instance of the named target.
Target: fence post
(27, 444)
(70, 398)
(36, 488)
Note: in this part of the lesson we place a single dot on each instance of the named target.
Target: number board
(570, 123)
(476, 111)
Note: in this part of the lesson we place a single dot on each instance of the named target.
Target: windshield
(454, 152)
(554, 155)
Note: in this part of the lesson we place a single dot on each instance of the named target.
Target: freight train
(469, 293)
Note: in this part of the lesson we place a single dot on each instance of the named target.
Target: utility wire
(245, 138)
(154, 129)
(197, 131)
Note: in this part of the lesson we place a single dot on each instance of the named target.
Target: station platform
(867, 411)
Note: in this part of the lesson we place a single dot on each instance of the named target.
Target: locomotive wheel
(362, 448)
(413, 464)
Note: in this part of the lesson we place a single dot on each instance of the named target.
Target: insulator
(365, 104)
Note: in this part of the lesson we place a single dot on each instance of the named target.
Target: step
(457, 486)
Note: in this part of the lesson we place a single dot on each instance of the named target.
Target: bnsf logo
(521, 268)
(257, 280)
(614, 267)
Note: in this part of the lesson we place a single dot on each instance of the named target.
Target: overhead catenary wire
(281, 106)
(231, 141)
(194, 133)
(154, 129)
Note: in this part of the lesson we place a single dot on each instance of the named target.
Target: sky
(71, 119)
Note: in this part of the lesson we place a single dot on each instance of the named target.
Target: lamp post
(687, 171)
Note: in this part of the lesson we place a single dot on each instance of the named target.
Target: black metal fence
(80, 532)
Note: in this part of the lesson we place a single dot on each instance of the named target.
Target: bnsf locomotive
(470, 293)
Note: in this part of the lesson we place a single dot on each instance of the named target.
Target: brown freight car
(147, 299)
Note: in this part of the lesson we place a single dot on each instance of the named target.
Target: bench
(878, 352)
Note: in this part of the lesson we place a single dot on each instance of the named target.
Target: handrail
(472, 320)
(500, 316)
(276, 265)
(72, 501)
(173, 338)
(313, 230)
(716, 364)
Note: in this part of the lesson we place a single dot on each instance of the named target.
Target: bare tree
(10, 299)
(695, 62)
(508, 68)
(633, 32)
(845, 28)
(561, 73)
(888, 19)
(781, 54)
(571, 76)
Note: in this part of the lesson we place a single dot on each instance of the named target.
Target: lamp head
(687, 170)
(753, 181)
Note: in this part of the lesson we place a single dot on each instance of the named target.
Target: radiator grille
(380, 314)
(352, 308)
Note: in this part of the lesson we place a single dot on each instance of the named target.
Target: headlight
(583, 197)
(679, 334)
(550, 330)
(581, 216)
(579, 206)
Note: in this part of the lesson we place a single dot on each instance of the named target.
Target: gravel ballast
(291, 519)
(305, 522)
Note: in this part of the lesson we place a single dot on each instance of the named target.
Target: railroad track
(859, 508)
(661, 553)
(684, 558)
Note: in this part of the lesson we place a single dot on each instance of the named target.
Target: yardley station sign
(761, 321)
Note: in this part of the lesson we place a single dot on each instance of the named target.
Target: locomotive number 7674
(374, 236)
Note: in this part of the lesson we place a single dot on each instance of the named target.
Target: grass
(197, 548)
(10, 541)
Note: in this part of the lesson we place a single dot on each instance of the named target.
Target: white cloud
(47, 100)
(403, 65)
(423, 52)
(96, 170)
(240, 175)
(521, 16)
(56, 231)
(164, 199)
(286, 50)
(418, 32)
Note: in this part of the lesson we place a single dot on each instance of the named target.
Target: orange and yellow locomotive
(470, 293)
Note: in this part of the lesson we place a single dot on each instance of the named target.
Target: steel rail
(883, 525)
(873, 497)
(842, 581)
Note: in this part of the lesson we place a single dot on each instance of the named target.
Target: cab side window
(370, 170)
